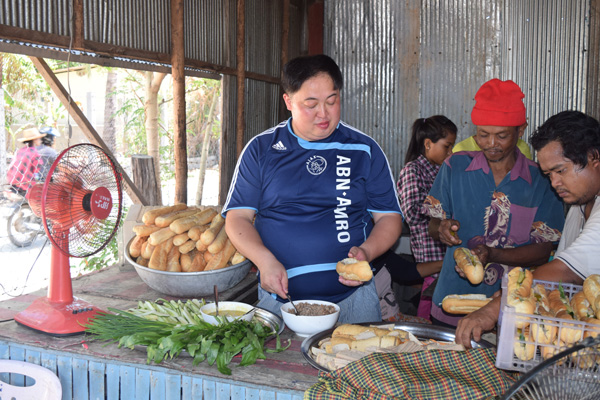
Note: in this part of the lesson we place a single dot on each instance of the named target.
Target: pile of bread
(550, 329)
(350, 342)
(183, 239)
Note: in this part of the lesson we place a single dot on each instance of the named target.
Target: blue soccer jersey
(313, 201)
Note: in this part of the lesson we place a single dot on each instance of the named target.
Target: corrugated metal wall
(403, 61)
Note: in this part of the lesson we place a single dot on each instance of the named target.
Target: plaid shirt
(416, 178)
(24, 167)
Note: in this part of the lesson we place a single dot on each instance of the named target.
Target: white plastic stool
(46, 387)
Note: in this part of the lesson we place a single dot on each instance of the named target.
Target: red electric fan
(80, 203)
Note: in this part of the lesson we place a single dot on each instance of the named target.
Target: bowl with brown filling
(314, 316)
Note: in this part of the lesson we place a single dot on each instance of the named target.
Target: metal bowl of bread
(184, 251)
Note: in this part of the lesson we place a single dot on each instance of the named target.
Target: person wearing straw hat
(23, 171)
(46, 150)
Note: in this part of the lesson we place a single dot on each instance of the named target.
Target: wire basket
(573, 373)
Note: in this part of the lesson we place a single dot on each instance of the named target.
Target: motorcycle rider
(24, 169)
(46, 150)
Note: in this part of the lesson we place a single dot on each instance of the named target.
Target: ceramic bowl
(309, 325)
(209, 309)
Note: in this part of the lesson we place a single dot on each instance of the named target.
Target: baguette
(160, 255)
(542, 304)
(187, 247)
(523, 350)
(195, 232)
(469, 263)
(150, 216)
(519, 282)
(354, 270)
(173, 264)
(147, 250)
(166, 219)
(464, 303)
(219, 242)
(186, 223)
(237, 258)
(145, 230)
(185, 260)
(160, 236)
(354, 330)
(142, 261)
(220, 259)
(209, 235)
(198, 263)
(591, 289)
(180, 239)
(524, 305)
(135, 248)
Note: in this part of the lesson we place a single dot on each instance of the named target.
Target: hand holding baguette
(354, 270)
(469, 263)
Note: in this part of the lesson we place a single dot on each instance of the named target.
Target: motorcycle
(22, 226)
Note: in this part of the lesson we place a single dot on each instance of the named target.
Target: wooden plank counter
(94, 370)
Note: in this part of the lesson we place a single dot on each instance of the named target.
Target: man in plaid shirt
(24, 169)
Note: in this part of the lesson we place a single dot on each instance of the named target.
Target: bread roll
(187, 247)
(209, 235)
(354, 270)
(542, 304)
(173, 264)
(591, 290)
(195, 232)
(523, 350)
(142, 261)
(543, 332)
(469, 264)
(221, 258)
(145, 230)
(165, 220)
(464, 303)
(354, 330)
(160, 255)
(150, 216)
(147, 250)
(200, 218)
(181, 238)
(237, 258)
(198, 263)
(581, 306)
(519, 282)
(135, 249)
(219, 242)
(160, 236)
(185, 261)
(524, 305)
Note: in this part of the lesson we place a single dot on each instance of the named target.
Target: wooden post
(142, 169)
(177, 64)
(241, 74)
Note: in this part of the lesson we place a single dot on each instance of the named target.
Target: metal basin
(190, 284)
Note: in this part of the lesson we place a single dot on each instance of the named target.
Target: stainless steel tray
(421, 331)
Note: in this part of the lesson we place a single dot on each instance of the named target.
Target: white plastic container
(507, 330)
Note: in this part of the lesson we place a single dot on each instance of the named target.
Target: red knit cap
(499, 103)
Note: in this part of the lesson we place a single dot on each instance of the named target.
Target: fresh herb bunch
(167, 339)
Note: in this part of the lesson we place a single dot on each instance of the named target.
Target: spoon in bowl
(293, 305)
(216, 300)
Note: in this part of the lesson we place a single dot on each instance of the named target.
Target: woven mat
(434, 374)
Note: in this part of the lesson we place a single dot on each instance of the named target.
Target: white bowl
(225, 306)
(309, 325)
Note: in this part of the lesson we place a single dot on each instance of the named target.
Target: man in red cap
(494, 201)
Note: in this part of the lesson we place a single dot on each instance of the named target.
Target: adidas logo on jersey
(279, 146)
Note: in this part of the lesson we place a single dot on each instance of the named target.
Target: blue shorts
(360, 306)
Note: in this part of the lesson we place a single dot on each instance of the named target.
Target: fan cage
(574, 373)
(69, 222)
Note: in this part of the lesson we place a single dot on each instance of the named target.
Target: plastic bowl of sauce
(230, 310)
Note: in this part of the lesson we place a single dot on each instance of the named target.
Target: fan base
(57, 319)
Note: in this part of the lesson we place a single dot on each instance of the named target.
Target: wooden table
(94, 370)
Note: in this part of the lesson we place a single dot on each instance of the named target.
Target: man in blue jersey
(311, 192)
